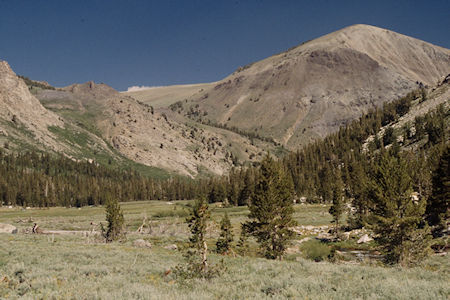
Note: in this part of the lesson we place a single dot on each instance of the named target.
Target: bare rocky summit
(91, 90)
(312, 89)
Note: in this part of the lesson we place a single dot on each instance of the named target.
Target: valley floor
(82, 267)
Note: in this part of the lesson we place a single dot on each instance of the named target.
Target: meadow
(83, 267)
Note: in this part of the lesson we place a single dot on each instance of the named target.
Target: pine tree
(397, 216)
(389, 136)
(226, 236)
(246, 192)
(198, 222)
(242, 244)
(271, 209)
(337, 209)
(438, 206)
(358, 190)
(326, 183)
(115, 219)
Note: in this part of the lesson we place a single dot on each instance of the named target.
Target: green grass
(312, 214)
(176, 211)
(76, 267)
(71, 135)
(85, 120)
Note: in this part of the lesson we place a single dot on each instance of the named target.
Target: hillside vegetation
(83, 267)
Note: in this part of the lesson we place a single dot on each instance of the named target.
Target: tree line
(43, 180)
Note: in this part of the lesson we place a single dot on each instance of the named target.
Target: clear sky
(125, 43)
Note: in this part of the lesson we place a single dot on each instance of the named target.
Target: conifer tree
(397, 216)
(196, 258)
(337, 208)
(438, 206)
(358, 184)
(115, 219)
(247, 191)
(226, 236)
(242, 244)
(271, 209)
(389, 136)
(198, 222)
(326, 183)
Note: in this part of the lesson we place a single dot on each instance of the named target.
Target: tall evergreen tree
(337, 208)
(397, 216)
(243, 244)
(326, 184)
(358, 184)
(271, 209)
(115, 219)
(438, 206)
(198, 222)
(223, 244)
(246, 193)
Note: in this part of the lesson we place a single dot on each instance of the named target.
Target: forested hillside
(42, 180)
(37, 179)
(351, 152)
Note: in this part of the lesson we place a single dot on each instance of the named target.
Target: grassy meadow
(83, 267)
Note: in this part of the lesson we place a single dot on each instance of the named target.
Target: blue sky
(125, 43)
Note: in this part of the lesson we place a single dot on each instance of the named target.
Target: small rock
(291, 250)
(324, 236)
(364, 239)
(346, 236)
(7, 228)
(142, 243)
(171, 247)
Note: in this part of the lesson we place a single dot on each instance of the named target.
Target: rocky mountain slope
(149, 136)
(22, 117)
(405, 126)
(311, 90)
(25, 124)
(288, 99)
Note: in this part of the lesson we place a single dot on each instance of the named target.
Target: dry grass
(40, 266)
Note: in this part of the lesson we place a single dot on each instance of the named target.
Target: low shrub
(315, 250)
(171, 213)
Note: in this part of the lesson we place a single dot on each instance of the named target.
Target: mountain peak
(91, 89)
(310, 90)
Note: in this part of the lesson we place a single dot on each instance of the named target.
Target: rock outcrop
(23, 113)
(7, 228)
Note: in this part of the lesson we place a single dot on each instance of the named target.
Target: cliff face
(21, 114)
